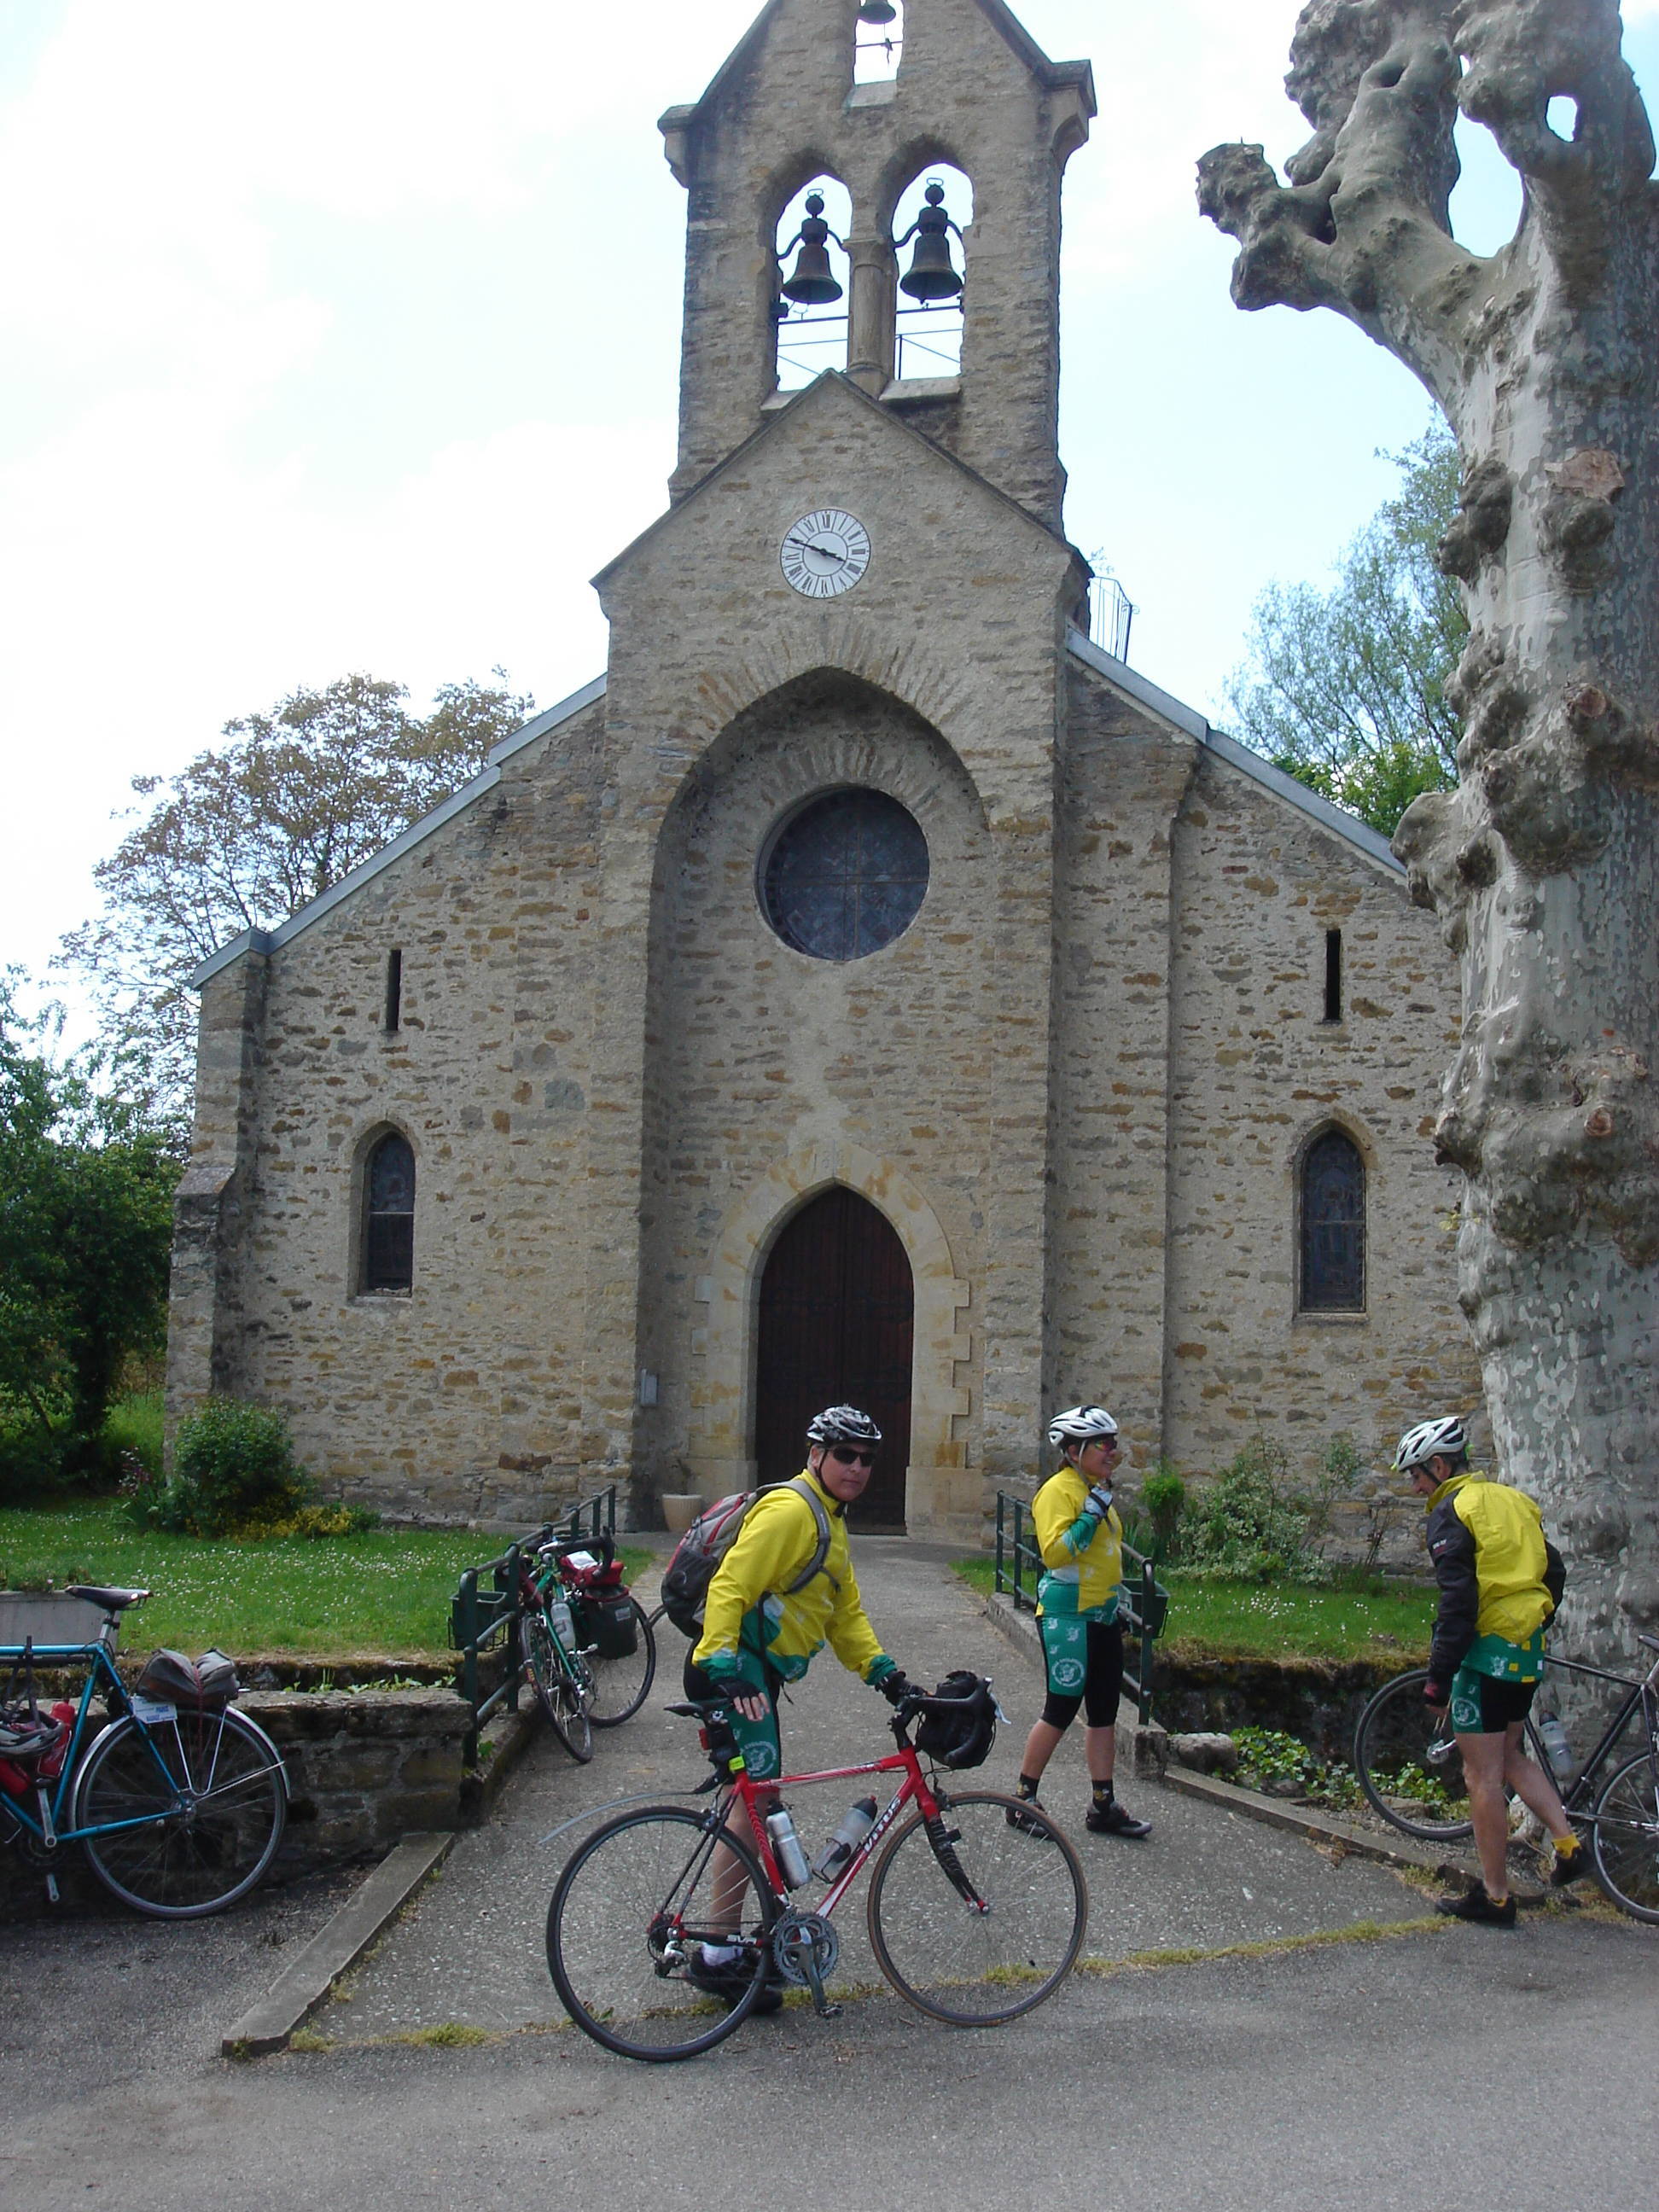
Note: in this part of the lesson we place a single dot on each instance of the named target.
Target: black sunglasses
(848, 1457)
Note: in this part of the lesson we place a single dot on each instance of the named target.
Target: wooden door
(836, 1313)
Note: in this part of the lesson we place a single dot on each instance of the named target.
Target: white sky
(343, 336)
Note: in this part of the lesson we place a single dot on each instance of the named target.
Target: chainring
(798, 1937)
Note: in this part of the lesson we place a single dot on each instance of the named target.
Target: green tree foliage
(252, 831)
(86, 1218)
(1346, 690)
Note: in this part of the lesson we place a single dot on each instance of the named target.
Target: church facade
(868, 987)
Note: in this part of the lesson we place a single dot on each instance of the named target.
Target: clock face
(825, 553)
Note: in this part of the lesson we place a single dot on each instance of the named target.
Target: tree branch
(1522, 54)
(1362, 226)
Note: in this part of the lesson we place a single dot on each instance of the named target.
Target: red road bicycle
(976, 1912)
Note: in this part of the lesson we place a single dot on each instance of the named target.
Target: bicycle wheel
(1408, 1763)
(1626, 1837)
(626, 1910)
(620, 1685)
(562, 1685)
(990, 1955)
(210, 1791)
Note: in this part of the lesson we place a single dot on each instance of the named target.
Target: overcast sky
(342, 335)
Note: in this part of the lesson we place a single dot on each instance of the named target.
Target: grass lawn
(383, 1594)
(1358, 1617)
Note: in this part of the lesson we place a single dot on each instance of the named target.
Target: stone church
(868, 987)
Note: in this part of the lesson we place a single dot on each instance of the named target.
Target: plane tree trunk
(1542, 864)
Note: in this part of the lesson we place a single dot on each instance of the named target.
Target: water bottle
(787, 1849)
(559, 1621)
(854, 1826)
(1557, 1749)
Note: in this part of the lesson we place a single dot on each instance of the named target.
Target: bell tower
(960, 84)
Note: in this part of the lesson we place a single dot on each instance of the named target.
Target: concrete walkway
(471, 1948)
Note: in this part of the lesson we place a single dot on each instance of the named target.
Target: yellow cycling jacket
(1497, 1575)
(778, 1538)
(1076, 1548)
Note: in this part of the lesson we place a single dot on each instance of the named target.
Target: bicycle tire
(1391, 1749)
(560, 1684)
(210, 1790)
(1625, 1839)
(628, 1903)
(621, 1686)
(950, 1958)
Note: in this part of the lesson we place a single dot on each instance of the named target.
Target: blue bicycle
(177, 1801)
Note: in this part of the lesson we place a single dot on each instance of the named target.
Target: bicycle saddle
(113, 1601)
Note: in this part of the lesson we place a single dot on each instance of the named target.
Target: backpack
(711, 1537)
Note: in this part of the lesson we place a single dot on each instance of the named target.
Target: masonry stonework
(1079, 1086)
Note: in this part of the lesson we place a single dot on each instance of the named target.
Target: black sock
(1027, 1785)
(1103, 1793)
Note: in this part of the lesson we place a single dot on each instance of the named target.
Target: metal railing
(485, 1609)
(1143, 1607)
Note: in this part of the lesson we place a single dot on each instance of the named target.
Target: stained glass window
(847, 876)
(389, 1216)
(1333, 1225)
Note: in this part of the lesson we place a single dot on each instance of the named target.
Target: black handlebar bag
(195, 1685)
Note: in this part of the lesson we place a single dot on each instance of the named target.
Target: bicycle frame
(756, 1799)
(47, 1824)
(1642, 1687)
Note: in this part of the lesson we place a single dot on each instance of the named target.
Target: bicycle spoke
(621, 1684)
(208, 1791)
(1408, 1763)
(628, 1915)
(1004, 1945)
(1627, 1838)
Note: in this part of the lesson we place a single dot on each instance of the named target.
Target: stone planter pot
(680, 1508)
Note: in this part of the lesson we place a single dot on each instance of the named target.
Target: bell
(877, 11)
(931, 276)
(813, 283)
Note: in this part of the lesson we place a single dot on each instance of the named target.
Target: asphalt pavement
(1439, 2064)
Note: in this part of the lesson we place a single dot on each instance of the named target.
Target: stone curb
(508, 1738)
(336, 1946)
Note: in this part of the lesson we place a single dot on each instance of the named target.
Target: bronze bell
(932, 275)
(813, 283)
(877, 11)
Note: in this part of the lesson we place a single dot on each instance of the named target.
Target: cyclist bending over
(759, 1630)
(1081, 1540)
(1500, 1581)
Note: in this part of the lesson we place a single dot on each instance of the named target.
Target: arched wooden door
(838, 1307)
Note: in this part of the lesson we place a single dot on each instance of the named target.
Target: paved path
(472, 1948)
(1382, 2073)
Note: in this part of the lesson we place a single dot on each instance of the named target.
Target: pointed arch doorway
(836, 1324)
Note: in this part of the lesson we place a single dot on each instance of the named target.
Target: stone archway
(942, 1493)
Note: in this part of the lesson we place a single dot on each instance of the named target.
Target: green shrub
(233, 1472)
(1163, 1497)
(1249, 1520)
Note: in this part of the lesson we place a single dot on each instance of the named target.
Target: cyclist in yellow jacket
(760, 1629)
(1080, 1538)
(1500, 1581)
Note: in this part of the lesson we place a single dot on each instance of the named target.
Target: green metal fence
(483, 1614)
(1143, 1608)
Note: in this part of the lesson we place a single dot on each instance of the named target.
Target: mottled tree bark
(1541, 865)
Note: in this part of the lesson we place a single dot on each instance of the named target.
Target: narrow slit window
(1333, 1225)
(1332, 975)
(394, 989)
(389, 1216)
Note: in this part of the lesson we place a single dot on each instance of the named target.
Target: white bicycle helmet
(1083, 1425)
(842, 1425)
(1419, 1445)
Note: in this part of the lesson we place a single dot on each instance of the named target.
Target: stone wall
(1257, 1075)
(364, 1768)
(461, 1399)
